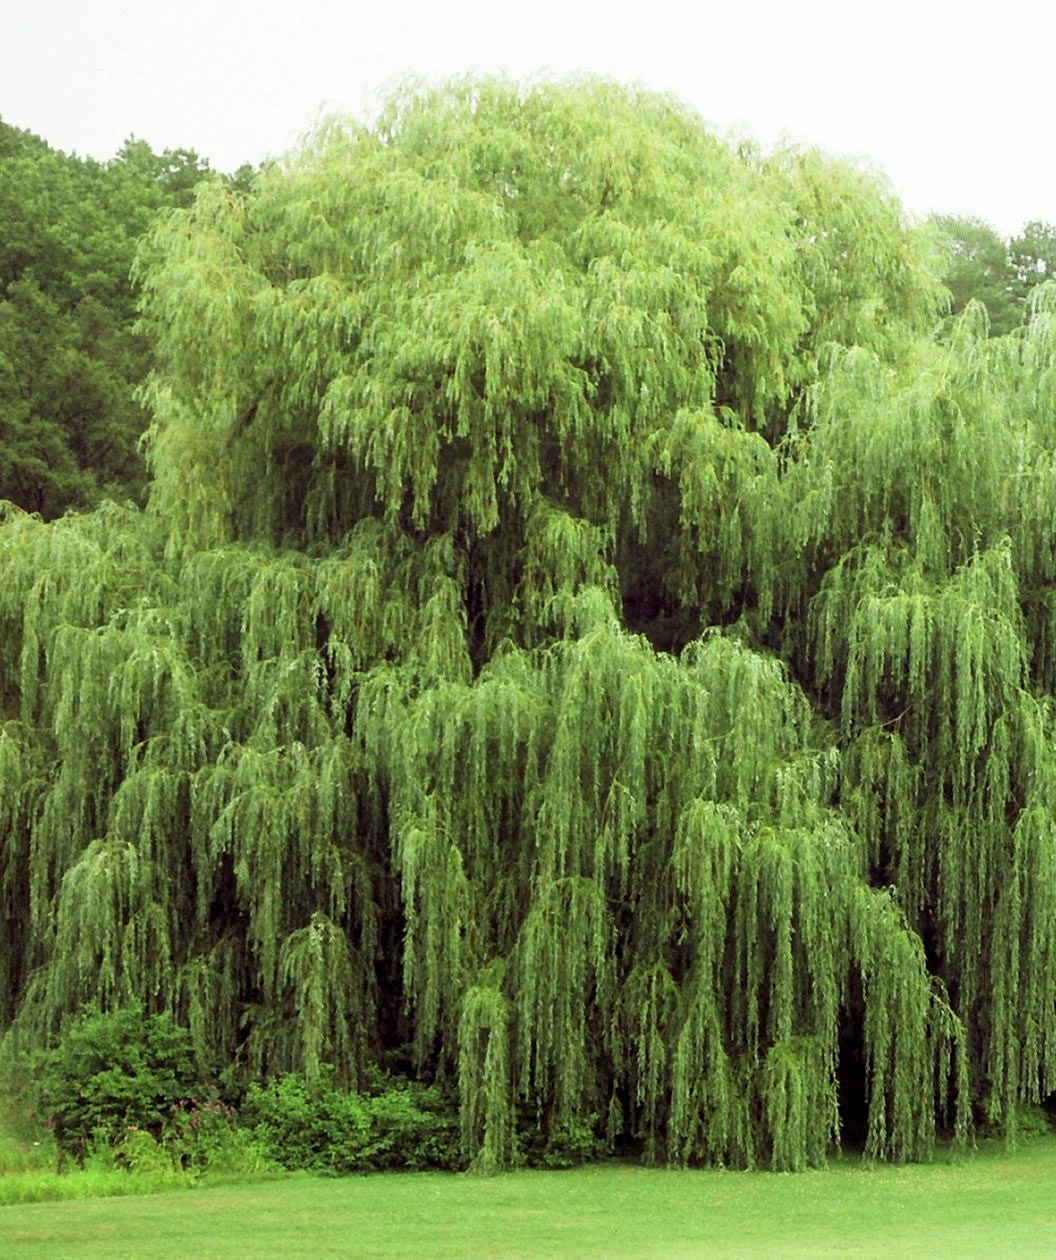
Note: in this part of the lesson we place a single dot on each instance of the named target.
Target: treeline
(982, 266)
(71, 356)
(590, 646)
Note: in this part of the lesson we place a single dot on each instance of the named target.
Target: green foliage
(1000, 274)
(26, 1144)
(111, 1073)
(1029, 1122)
(70, 356)
(577, 1140)
(1033, 257)
(589, 639)
(138, 1151)
(202, 1135)
(312, 1124)
(979, 267)
(356, 315)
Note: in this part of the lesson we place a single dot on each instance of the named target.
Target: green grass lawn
(990, 1205)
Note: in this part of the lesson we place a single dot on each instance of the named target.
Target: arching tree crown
(587, 639)
(489, 295)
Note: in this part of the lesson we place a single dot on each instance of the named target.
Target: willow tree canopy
(588, 637)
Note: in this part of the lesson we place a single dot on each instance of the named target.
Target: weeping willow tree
(589, 638)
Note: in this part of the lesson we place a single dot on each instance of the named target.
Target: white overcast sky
(953, 99)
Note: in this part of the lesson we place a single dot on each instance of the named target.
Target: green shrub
(311, 1124)
(1028, 1122)
(203, 1135)
(111, 1071)
(415, 1126)
(137, 1152)
(564, 1145)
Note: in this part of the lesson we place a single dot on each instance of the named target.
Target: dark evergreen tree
(71, 357)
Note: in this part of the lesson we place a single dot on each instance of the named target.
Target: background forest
(587, 644)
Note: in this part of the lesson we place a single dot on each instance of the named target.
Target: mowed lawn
(990, 1205)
